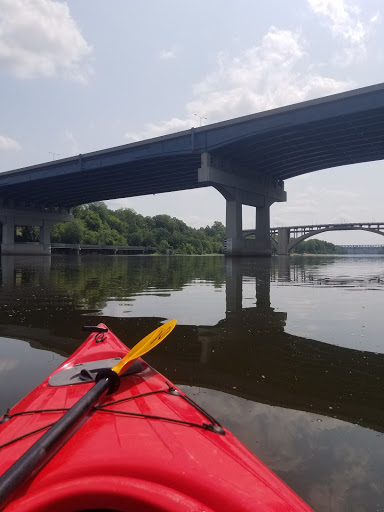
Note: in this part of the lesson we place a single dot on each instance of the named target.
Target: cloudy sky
(82, 76)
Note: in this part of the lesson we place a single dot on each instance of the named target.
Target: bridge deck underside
(122, 180)
(337, 130)
(290, 151)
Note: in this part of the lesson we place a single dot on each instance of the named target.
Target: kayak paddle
(107, 380)
(144, 346)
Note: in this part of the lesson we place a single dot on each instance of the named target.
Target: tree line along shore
(96, 224)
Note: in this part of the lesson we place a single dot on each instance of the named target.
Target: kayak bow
(107, 380)
(149, 447)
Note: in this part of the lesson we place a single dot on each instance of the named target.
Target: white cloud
(376, 18)
(261, 78)
(296, 213)
(345, 24)
(7, 365)
(72, 142)
(337, 193)
(162, 128)
(6, 144)
(168, 54)
(343, 216)
(306, 205)
(342, 194)
(40, 38)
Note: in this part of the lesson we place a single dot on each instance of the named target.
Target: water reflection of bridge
(247, 353)
(268, 365)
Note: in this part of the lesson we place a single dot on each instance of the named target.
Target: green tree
(163, 247)
(73, 232)
(97, 225)
(93, 221)
(315, 246)
(27, 234)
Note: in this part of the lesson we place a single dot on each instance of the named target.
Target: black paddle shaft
(39, 453)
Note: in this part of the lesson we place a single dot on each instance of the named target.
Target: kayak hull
(144, 447)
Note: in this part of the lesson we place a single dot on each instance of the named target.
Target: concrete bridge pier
(236, 245)
(263, 227)
(8, 237)
(242, 186)
(234, 225)
(283, 241)
(11, 217)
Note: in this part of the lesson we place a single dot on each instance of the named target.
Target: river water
(288, 352)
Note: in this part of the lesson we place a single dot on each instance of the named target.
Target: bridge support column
(234, 223)
(45, 233)
(242, 186)
(283, 241)
(12, 217)
(262, 233)
(8, 230)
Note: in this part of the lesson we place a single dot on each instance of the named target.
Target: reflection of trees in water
(91, 281)
(56, 294)
(95, 281)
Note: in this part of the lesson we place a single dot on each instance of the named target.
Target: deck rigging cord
(213, 426)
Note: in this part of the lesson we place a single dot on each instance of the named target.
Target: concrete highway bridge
(246, 159)
(284, 239)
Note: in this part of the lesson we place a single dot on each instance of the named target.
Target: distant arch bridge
(284, 239)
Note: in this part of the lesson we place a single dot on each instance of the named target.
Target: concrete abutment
(10, 218)
(243, 186)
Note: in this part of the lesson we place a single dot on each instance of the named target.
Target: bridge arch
(286, 242)
(296, 241)
(284, 239)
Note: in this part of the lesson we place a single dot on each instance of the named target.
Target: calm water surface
(288, 353)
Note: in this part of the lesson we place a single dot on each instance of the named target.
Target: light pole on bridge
(200, 117)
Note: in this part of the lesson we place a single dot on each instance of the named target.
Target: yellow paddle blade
(144, 346)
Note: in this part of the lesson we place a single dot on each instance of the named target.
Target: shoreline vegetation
(315, 246)
(96, 224)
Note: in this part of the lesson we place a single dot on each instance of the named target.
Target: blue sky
(81, 76)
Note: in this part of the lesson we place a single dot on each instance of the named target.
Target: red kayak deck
(152, 452)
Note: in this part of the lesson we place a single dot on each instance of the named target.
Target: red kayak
(146, 446)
